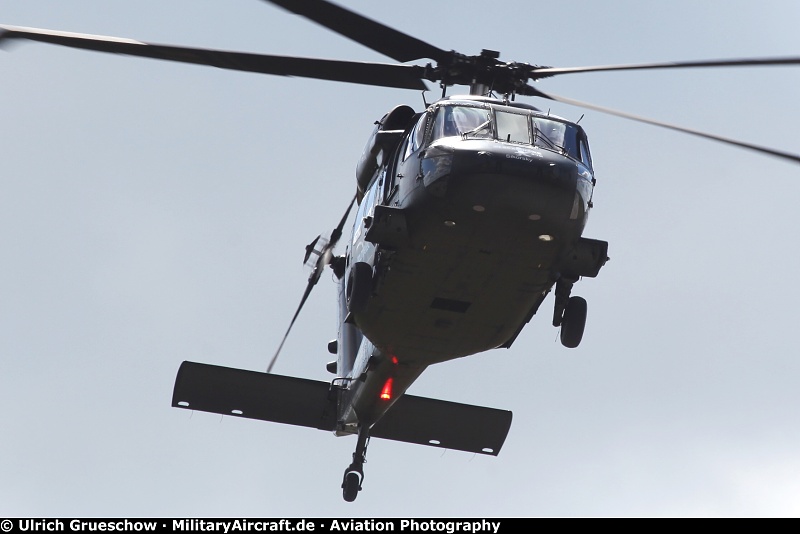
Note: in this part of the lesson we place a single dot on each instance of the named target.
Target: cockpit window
(585, 156)
(556, 135)
(512, 127)
(471, 122)
(416, 137)
(459, 120)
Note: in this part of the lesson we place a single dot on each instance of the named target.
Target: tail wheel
(359, 287)
(351, 486)
(573, 323)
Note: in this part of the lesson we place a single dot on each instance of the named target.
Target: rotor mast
(481, 86)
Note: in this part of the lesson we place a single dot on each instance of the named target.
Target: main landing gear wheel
(573, 323)
(358, 287)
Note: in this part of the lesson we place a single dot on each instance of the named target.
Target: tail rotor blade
(323, 260)
(337, 232)
(307, 292)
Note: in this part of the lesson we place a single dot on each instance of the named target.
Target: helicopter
(398, 266)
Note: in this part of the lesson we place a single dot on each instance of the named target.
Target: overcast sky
(152, 213)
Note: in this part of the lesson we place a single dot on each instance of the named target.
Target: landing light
(535, 217)
(450, 224)
(546, 238)
(479, 208)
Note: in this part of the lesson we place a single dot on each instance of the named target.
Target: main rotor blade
(322, 262)
(380, 74)
(764, 150)
(379, 37)
(742, 62)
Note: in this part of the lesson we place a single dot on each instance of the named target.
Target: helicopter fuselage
(469, 214)
(465, 232)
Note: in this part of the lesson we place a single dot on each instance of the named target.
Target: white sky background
(152, 212)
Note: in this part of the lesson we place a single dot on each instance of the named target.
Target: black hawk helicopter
(469, 213)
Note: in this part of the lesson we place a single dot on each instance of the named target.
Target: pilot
(450, 126)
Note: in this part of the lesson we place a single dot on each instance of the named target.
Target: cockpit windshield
(459, 120)
(548, 133)
(512, 127)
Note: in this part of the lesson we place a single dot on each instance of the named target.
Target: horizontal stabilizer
(449, 425)
(311, 403)
(254, 395)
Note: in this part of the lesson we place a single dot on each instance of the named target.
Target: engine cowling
(381, 143)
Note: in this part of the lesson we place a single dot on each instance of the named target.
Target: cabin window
(459, 120)
(512, 127)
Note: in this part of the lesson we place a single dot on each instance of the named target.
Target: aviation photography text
(226, 526)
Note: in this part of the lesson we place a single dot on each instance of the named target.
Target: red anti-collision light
(386, 392)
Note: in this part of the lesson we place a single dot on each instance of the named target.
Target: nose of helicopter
(518, 181)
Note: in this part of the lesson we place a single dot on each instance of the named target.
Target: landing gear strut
(569, 314)
(354, 474)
